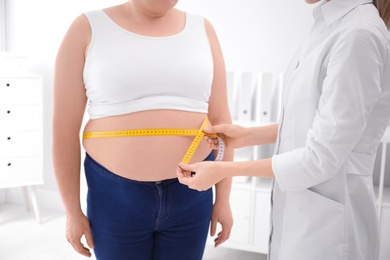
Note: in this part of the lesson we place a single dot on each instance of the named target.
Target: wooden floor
(21, 238)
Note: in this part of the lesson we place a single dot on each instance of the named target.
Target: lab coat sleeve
(349, 92)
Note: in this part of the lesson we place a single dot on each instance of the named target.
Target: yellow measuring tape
(198, 133)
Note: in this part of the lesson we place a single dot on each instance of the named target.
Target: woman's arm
(218, 114)
(69, 101)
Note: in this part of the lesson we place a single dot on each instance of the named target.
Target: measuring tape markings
(142, 132)
(198, 133)
(195, 143)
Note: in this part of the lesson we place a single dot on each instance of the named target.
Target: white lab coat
(336, 106)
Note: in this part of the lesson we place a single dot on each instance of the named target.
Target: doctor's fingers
(191, 181)
(217, 129)
(184, 173)
(227, 131)
(185, 170)
(212, 142)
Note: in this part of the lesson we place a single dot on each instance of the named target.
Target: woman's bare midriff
(145, 158)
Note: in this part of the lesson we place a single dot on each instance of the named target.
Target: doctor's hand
(200, 176)
(234, 136)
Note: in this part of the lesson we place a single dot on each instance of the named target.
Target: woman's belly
(144, 158)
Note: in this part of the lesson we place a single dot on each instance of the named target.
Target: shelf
(251, 123)
(253, 183)
(240, 182)
(263, 184)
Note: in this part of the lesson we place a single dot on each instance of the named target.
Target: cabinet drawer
(262, 223)
(20, 171)
(20, 90)
(241, 201)
(20, 144)
(21, 117)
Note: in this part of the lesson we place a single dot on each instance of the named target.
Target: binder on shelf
(268, 97)
(246, 88)
(263, 97)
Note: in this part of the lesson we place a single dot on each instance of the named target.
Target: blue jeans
(133, 220)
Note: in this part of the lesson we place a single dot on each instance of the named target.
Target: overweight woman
(132, 65)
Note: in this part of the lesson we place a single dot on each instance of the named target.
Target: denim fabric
(133, 220)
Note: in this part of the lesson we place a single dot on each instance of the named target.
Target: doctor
(336, 106)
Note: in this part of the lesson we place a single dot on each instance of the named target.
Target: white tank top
(125, 72)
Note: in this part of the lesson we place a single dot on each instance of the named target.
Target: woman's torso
(137, 82)
(147, 158)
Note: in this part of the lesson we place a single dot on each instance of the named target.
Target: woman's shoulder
(192, 16)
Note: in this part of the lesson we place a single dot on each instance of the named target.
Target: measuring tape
(198, 133)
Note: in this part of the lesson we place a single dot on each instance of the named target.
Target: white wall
(2, 48)
(2, 25)
(254, 35)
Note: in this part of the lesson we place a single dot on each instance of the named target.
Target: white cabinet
(250, 203)
(21, 135)
(262, 215)
(241, 204)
